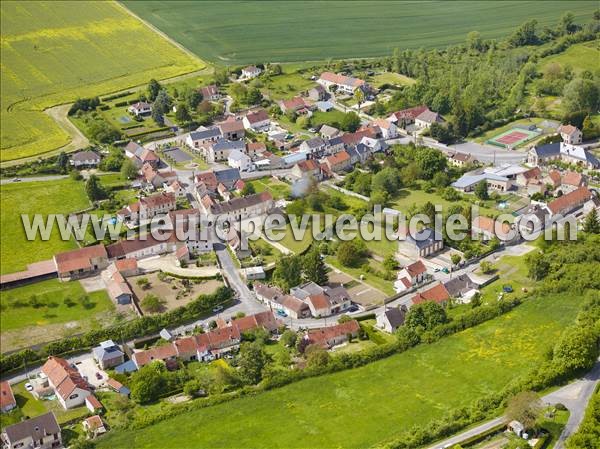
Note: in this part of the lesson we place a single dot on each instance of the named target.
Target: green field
(48, 197)
(53, 305)
(580, 57)
(278, 189)
(363, 406)
(54, 52)
(308, 31)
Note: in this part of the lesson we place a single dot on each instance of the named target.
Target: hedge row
(129, 330)
(406, 340)
(115, 96)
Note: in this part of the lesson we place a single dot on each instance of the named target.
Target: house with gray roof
(220, 150)
(468, 182)
(202, 136)
(108, 354)
(41, 432)
(424, 243)
(391, 319)
(312, 146)
(85, 159)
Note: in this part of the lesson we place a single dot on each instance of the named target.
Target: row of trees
(292, 270)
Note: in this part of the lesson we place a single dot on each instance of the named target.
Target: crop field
(242, 32)
(49, 197)
(55, 52)
(363, 406)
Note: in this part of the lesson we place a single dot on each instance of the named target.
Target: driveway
(168, 263)
(87, 368)
(574, 396)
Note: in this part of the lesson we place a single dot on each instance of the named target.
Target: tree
(390, 263)
(193, 98)
(182, 115)
(248, 189)
(591, 224)
(525, 34)
(425, 316)
(288, 338)
(62, 162)
(94, 189)
(589, 129)
(148, 383)
(524, 407)
(351, 253)
(455, 258)
(350, 122)
(430, 161)
(157, 116)
(144, 283)
(474, 41)
(481, 190)
(153, 89)
(129, 169)
(288, 272)
(316, 356)
(581, 95)
(252, 360)
(254, 96)
(567, 23)
(387, 180)
(313, 266)
(486, 267)
(359, 96)
(152, 303)
(575, 349)
(193, 387)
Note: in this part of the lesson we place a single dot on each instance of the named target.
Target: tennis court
(513, 138)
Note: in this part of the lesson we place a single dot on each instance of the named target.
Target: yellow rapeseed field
(55, 52)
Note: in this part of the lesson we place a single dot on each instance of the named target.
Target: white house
(345, 84)
(85, 159)
(71, 389)
(257, 120)
(140, 108)
(570, 134)
(251, 72)
(389, 130)
(391, 319)
(239, 160)
(427, 118)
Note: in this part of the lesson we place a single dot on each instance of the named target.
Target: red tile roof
(338, 158)
(410, 113)
(416, 268)
(325, 335)
(126, 264)
(163, 353)
(94, 402)
(308, 165)
(567, 129)
(569, 201)
(257, 116)
(319, 301)
(438, 294)
(356, 137)
(572, 178)
(64, 378)
(342, 79)
(7, 398)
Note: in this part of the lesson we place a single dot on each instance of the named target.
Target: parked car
(28, 387)
(16, 180)
(281, 313)
(98, 375)
(353, 308)
(217, 309)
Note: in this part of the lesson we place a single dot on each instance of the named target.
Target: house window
(73, 396)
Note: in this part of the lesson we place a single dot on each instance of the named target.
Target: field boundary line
(162, 34)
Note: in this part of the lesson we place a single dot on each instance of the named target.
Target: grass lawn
(277, 188)
(391, 78)
(512, 271)
(267, 252)
(379, 283)
(296, 246)
(287, 85)
(46, 48)
(331, 118)
(52, 306)
(579, 57)
(381, 399)
(48, 197)
(309, 31)
(31, 407)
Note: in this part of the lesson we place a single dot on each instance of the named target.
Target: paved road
(34, 179)
(574, 396)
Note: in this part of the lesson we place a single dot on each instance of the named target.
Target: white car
(28, 387)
